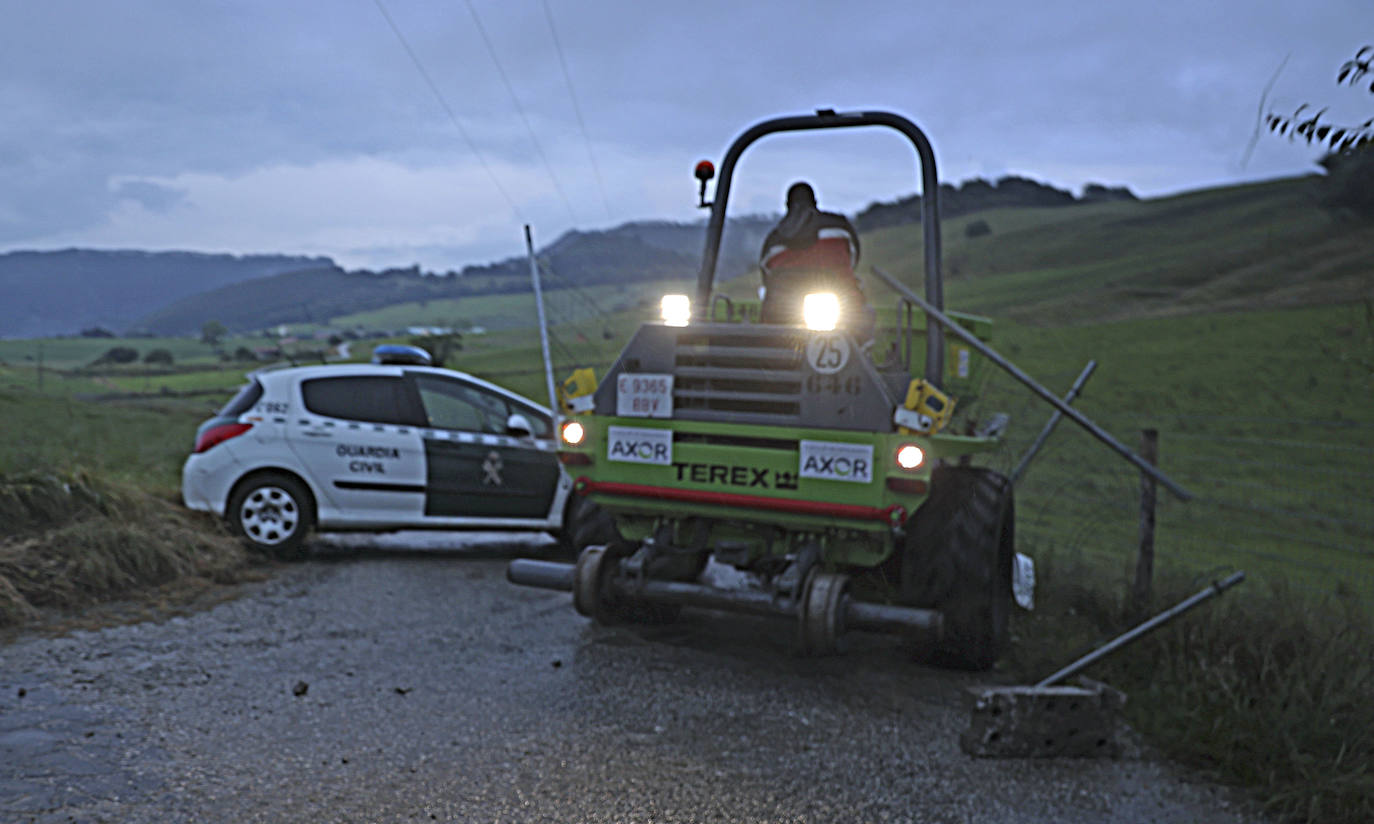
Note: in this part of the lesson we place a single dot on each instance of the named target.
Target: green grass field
(1264, 416)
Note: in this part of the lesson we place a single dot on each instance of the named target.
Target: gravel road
(430, 689)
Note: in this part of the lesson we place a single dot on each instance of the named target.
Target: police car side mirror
(519, 426)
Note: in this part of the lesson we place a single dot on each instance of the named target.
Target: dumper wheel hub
(589, 584)
(822, 612)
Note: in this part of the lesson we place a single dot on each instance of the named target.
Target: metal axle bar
(543, 574)
(1127, 637)
(860, 615)
(1011, 368)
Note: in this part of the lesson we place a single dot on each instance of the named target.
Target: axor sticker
(837, 461)
(649, 446)
(827, 354)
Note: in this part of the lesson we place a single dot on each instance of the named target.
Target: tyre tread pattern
(957, 559)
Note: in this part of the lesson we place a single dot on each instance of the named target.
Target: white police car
(395, 444)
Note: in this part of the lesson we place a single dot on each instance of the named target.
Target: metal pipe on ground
(1127, 637)
(1011, 368)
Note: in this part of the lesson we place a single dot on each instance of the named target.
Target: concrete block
(1043, 722)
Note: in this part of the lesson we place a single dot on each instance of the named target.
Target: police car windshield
(243, 401)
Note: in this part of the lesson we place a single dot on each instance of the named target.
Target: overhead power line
(577, 109)
(515, 101)
(449, 110)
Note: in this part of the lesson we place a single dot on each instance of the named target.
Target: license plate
(644, 396)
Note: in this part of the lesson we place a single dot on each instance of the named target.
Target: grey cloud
(94, 92)
(152, 196)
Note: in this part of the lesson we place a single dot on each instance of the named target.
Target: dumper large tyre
(957, 558)
(585, 524)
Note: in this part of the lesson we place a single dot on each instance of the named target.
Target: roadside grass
(76, 539)
(90, 504)
(143, 445)
(1268, 688)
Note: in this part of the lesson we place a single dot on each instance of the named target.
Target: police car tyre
(273, 513)
(957, 558)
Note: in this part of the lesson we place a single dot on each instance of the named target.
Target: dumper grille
(741, 375)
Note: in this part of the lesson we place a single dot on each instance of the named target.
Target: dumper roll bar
(930, 210)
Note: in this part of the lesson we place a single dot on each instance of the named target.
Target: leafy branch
(1313, 129)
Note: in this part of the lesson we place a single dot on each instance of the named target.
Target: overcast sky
(305, 127)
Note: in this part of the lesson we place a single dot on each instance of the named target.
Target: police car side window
(453, 405)
(250, 394)
(371, 398)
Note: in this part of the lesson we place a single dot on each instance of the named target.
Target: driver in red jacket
(812, 251)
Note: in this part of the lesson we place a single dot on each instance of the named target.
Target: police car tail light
(910, 456)
(219, 434)
(821, 311)
(676, 310)
(573, 433)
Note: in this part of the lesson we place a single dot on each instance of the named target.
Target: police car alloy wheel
(273, 514)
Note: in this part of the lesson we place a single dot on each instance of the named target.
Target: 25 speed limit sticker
(827, 354)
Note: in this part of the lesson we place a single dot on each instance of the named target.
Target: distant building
(426, 331)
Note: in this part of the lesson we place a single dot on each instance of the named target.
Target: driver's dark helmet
(800, 194)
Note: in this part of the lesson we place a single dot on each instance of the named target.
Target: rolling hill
(1258, 246)
(62, 292)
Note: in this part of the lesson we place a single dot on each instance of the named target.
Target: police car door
(476, 471)
(358, 440)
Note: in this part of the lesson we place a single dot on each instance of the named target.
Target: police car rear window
(373, 398)
(243, 401)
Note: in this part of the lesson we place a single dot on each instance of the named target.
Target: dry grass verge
(1270, 689)
(75, 540)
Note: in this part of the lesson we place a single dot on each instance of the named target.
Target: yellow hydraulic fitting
(575, 393)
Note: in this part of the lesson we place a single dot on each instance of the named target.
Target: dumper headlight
(573, 433)
(821, 311)
(676, 310)
(910, 456)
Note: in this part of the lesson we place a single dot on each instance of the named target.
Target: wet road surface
(402, 684)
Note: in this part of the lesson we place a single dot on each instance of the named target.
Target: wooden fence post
(1145, 557)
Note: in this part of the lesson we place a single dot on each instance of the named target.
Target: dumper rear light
(573, 433)
(219, 434)
(910, 456)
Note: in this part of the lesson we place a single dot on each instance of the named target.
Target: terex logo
(837, 461)
(650, 446)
